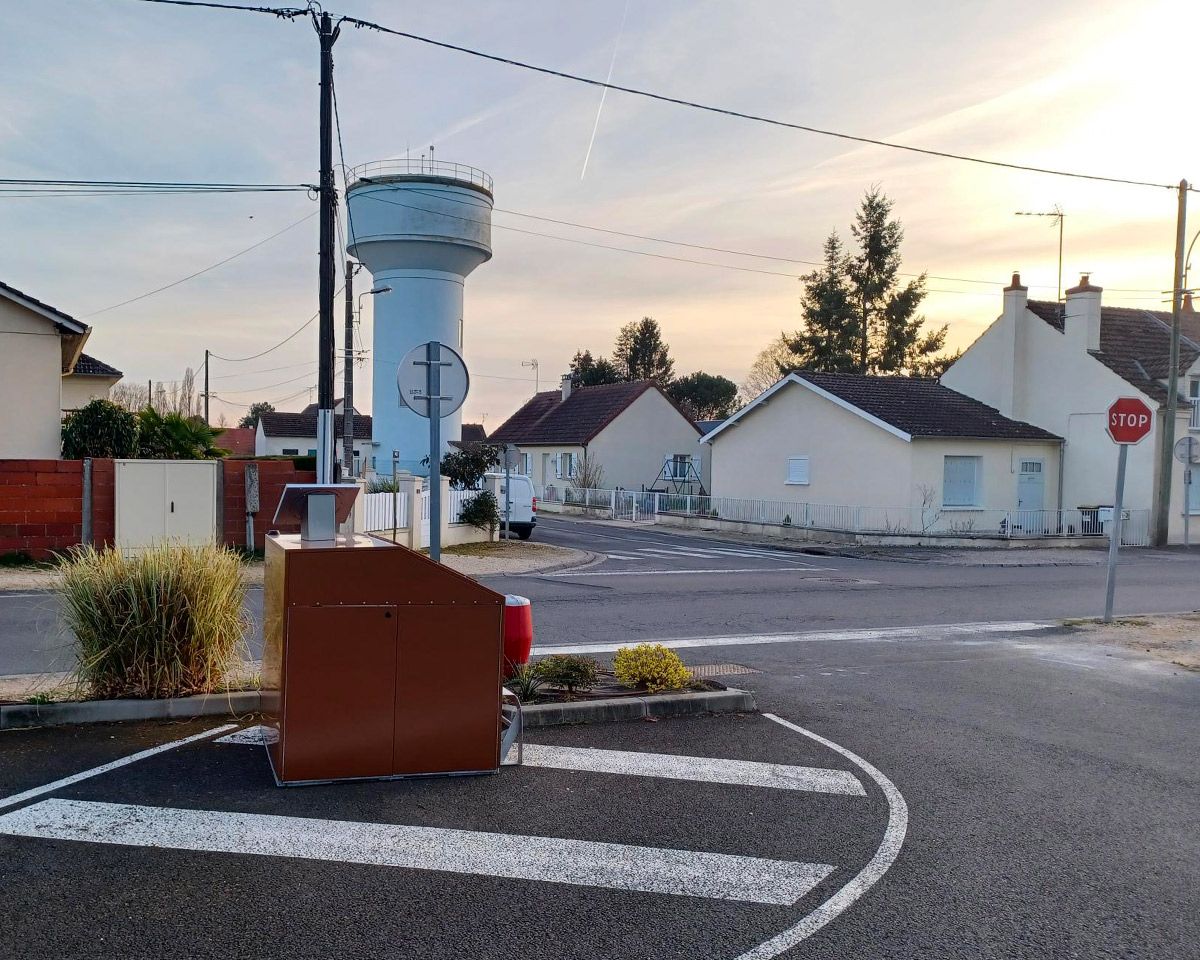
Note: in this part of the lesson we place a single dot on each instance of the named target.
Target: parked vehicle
(523, 516)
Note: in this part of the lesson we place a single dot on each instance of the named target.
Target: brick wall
(41, 505)
(273, 476)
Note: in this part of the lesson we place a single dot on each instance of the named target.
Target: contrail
(604, 93)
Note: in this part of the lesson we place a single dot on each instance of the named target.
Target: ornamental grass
(166, 622)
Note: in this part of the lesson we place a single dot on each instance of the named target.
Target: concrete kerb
(243, 703)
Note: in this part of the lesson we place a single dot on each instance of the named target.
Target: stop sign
(1129, 420)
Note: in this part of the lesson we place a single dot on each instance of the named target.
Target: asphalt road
(1050, 795)
(652, 583)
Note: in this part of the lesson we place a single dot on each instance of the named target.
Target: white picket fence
(382, 511)
(645, 507)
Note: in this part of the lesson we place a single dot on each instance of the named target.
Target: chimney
(566, 386)
(1187, 304)
(1011, 329)
(1082, 319)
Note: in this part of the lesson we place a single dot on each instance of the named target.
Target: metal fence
(423, 166)
(841, 518)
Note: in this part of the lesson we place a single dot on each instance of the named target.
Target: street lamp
(348, 387)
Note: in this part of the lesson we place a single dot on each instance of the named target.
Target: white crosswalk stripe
(637, 554)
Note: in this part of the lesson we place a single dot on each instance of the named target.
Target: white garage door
(159, 500)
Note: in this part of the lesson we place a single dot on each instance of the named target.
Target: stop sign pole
(1128, 423)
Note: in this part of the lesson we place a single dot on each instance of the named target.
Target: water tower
(420, 227)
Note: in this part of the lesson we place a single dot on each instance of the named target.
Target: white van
(523, 517)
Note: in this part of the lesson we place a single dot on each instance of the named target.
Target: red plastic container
(518, 632)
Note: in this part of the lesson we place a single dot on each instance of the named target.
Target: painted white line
(667, 766)
(621, 556)
(48, 592)
(872, 873)
(942, 631)
(680, 573)
(582, 862)
(257, 735)
(113, 765)
(680, 552)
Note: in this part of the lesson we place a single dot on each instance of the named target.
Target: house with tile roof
(281, 434)
(630, 430)
(1060, 366)
(883, 443)
(89, 380)
(43, 371)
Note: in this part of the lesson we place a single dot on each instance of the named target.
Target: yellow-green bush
(167, 622)
(651, 665)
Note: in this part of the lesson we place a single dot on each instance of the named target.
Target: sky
(120, 89)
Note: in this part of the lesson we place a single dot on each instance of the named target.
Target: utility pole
(206, 420)
(1162, 512)
(328, 199)
(348, 376)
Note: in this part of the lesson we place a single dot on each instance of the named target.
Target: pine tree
(858, 318)
(588, 371)
(828, 339)
(641, 353)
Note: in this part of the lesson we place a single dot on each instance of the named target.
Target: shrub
(568, 670)
(167, 622)
(378, 484)
(651, 665)
(482, 512)
(100, 429)
(525, 682)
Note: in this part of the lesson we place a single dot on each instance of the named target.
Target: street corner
(713, 836)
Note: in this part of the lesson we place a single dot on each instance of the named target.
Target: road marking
(649, 573)
(582, 862)
(621, 556)
(940, 631)
(667, 766)
(257, 735)
(872, 873)
(113, 765)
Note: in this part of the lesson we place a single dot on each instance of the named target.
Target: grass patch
(167, 622)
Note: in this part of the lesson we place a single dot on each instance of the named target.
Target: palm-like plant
(175, 437)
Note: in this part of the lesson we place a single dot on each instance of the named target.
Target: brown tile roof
(305, 425)
(1135, 344)
(546, 419)
(87, 366)
(473, 433)
(239, 441)
(924, 408)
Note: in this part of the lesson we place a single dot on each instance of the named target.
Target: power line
(677, 101)
(286, 13)
(33, 184)
(290, 336)
(192, 276)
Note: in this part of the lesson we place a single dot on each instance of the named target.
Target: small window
(565, 466)
(960, 482)
(678, 466)
(526, 464)
(291, 452)
(1031, 466)
(797, 470)
(312, 452)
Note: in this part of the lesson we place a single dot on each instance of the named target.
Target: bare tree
(133, 397)
(764, 372)
(589, 474)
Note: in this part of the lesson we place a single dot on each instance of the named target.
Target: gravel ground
(1175, 639)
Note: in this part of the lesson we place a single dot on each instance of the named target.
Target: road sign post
(433, 383)
(1129, 421)
(1187, 452)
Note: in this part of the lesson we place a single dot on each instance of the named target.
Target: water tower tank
(420, 227)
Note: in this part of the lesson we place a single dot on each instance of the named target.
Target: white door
(192, 501)
(159, 500)
(1031, 486)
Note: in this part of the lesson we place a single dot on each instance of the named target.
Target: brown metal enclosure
(377, 662)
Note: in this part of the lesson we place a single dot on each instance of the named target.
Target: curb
(238, 703)
(637, 708)
(245, 702)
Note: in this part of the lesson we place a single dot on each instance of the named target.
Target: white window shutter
(960, 481)
(558, 465)
(797, 470)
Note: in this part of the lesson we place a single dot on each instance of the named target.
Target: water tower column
(420, 228)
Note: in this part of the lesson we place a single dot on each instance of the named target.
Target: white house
(632, 431)
(89, 380)
(883, 443)
(1060, 366)
(295, 435)
(43, 371)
